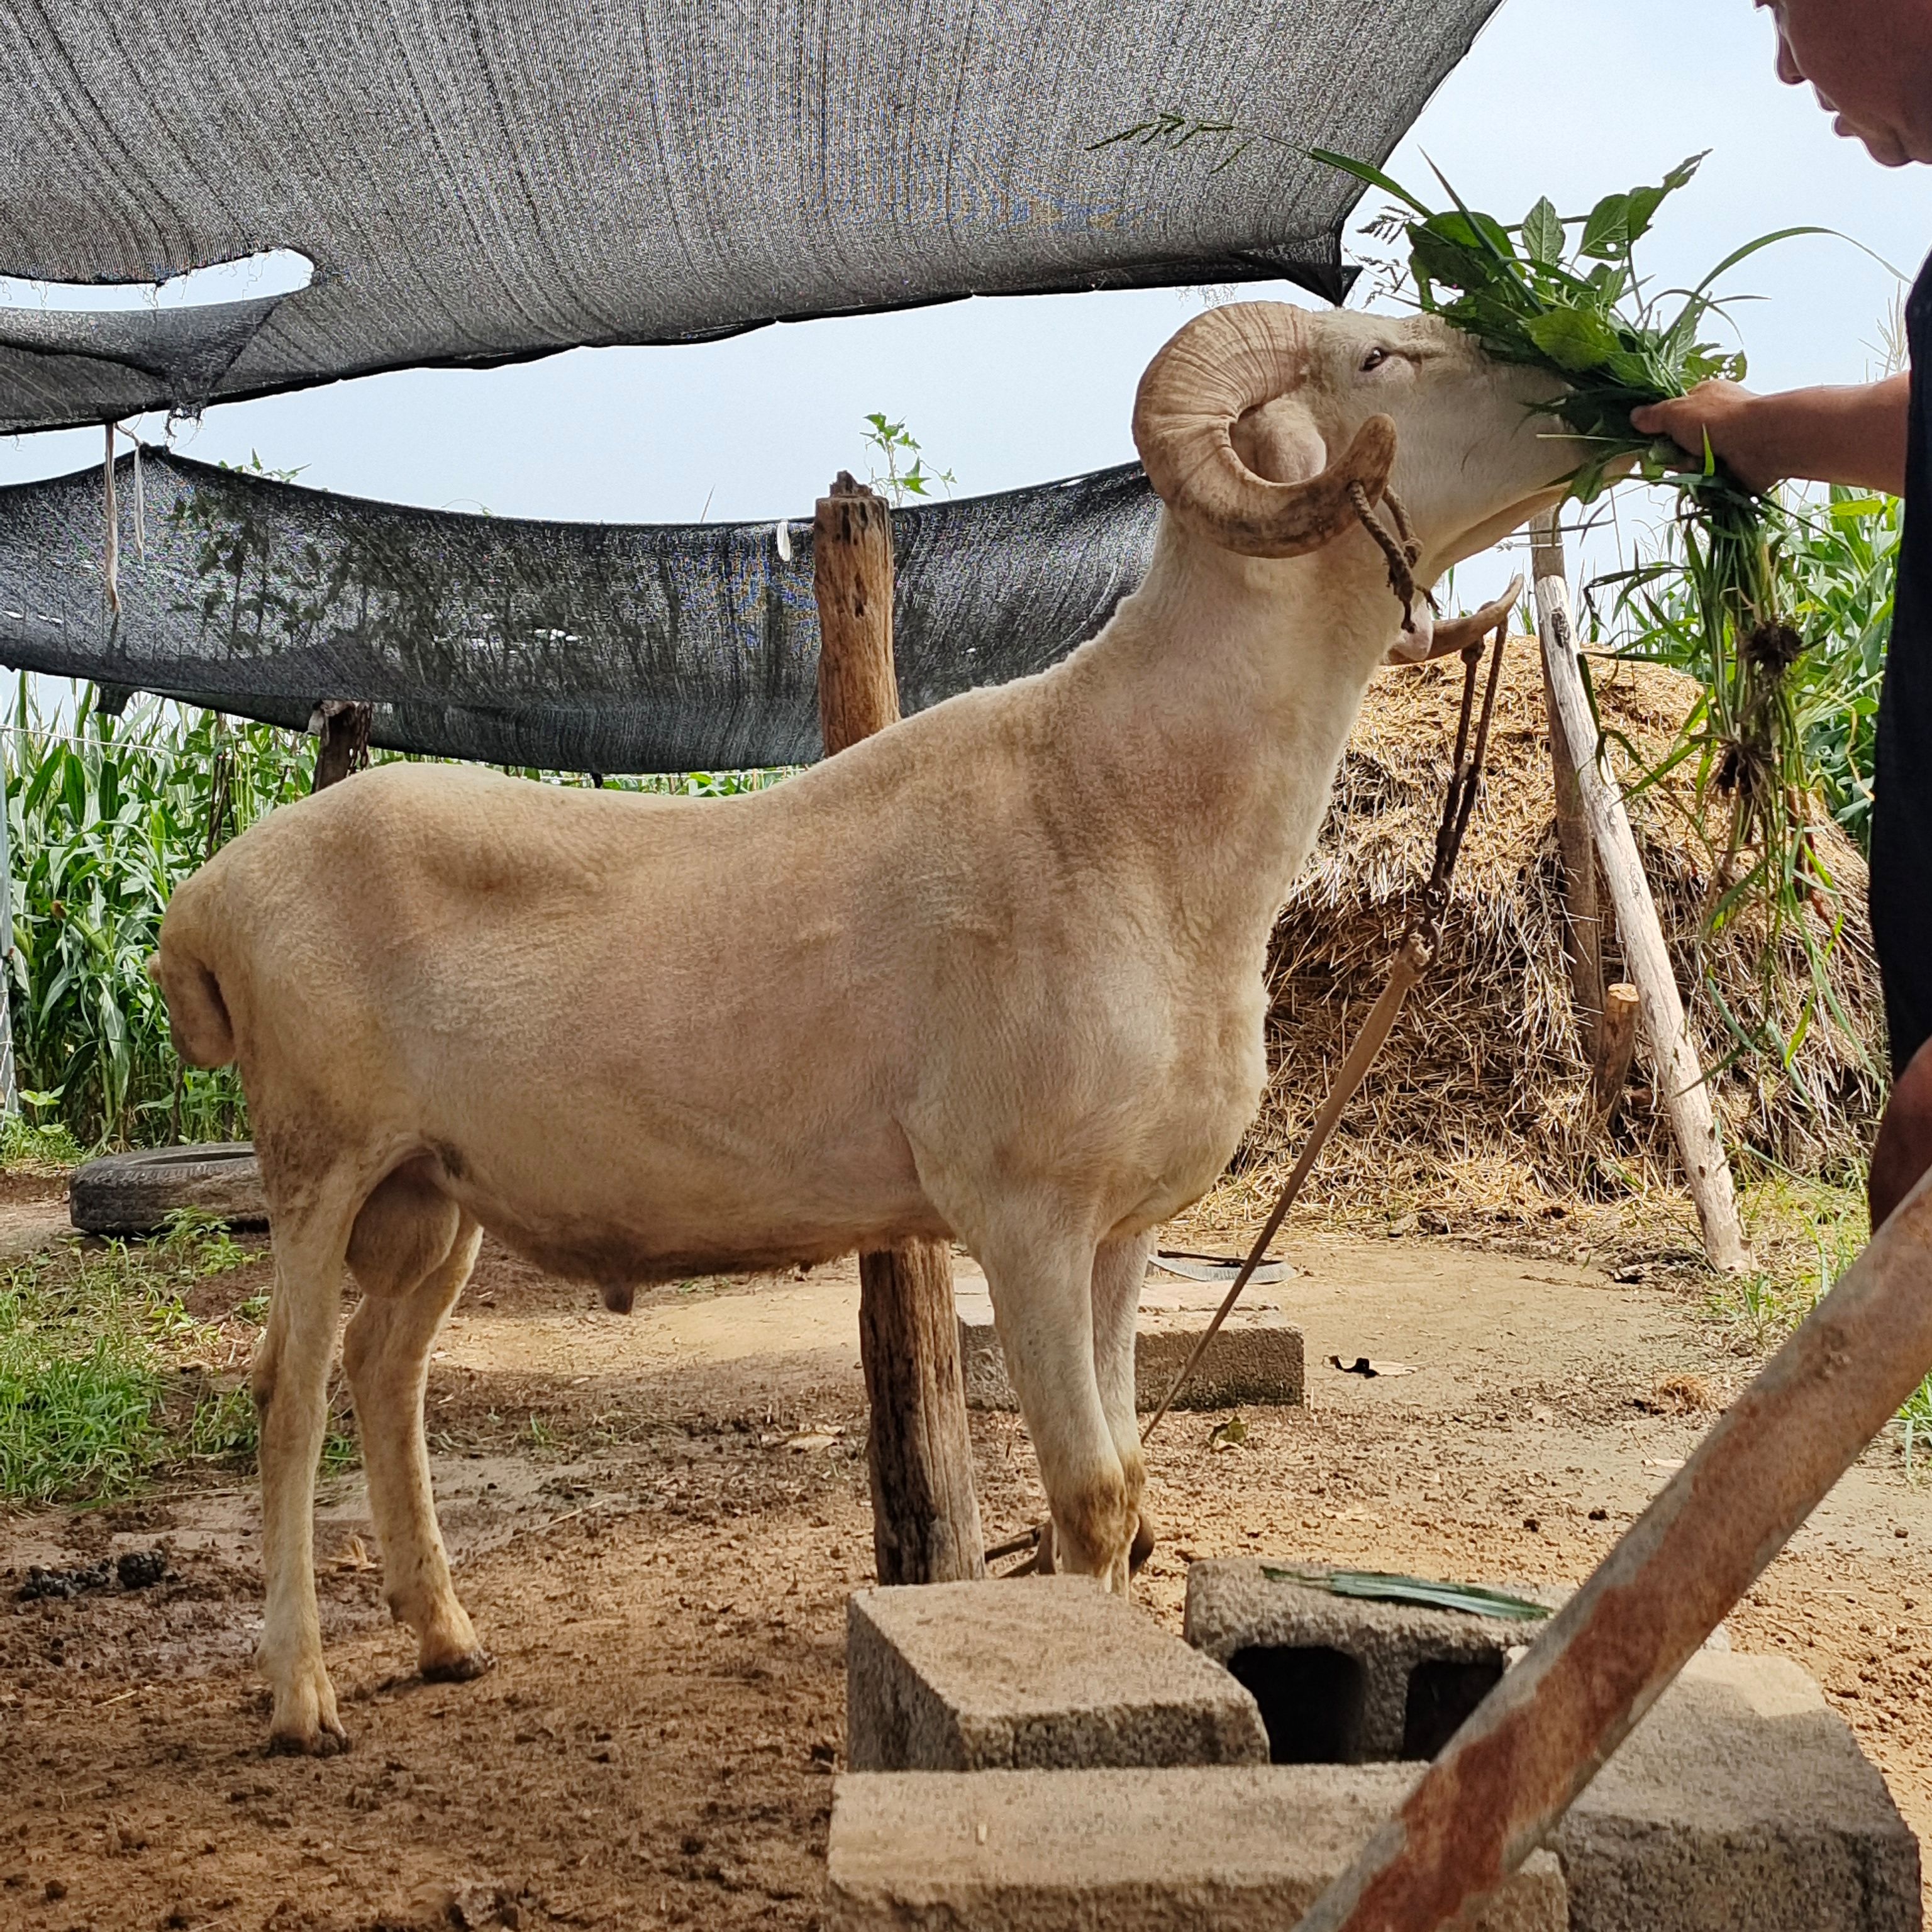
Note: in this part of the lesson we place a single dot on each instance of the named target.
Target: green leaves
(1619, 221)
(1475, 1600)
(1576, 339)
(1543, 234)
(1580, 310)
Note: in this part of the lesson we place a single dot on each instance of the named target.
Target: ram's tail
(197, 1014)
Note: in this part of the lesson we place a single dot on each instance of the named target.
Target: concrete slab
(1049, 1673)
(1741, 1800)
(1256, 1359)
(1239, 1848)
(1340, 1680)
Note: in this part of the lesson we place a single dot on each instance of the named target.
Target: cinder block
(1051, 1672)
(1742, 1799)
(1257, 1358)
(1240, 1849)
(1340, 1680)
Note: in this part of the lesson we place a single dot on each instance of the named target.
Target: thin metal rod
(1508, 1776)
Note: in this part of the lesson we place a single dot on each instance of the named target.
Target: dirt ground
(657, 1519)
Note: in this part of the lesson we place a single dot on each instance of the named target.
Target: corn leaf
(1473, 1599)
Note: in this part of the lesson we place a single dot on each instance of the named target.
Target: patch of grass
(106, 1380)
(1805, 1233)
(25, 1144)
(81, 1382)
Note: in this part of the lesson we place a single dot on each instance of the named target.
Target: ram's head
(1265, 428)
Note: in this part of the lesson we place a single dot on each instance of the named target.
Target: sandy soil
(657, 1519)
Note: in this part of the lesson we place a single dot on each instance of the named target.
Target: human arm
(1855, 435)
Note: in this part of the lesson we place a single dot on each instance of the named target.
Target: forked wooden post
(1583, 922)
(1679, 1077)
(925, 1515)
(344, 727)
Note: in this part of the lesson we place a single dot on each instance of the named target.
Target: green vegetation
(1841, 565)
(891, 445)
(1576, 307)
(106, 1379)
(104, 815)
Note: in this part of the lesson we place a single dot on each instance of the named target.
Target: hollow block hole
(1442, 1693)
(1311, 1701)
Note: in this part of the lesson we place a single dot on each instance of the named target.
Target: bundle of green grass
(1564, 296)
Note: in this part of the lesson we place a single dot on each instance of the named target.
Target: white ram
(995, 974)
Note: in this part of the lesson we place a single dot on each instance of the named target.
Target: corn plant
(104, 815)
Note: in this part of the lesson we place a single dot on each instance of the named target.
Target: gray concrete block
(1742, 1799)
(1238, 1848)
(1340, 1680)
(1256, 1359)
(1051, 1672)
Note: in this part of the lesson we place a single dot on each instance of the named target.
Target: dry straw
(1481, 1103)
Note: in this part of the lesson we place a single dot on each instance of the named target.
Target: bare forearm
(1855, 436)
(1852, 436)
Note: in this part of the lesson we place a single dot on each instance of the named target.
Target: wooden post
(925, 1515)
(1685, 1097)
(1583, 926)
(344, 730)
(1616, 1045)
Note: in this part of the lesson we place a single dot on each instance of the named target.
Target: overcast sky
(1572, 98)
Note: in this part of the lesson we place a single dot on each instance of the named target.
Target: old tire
(135, 1193)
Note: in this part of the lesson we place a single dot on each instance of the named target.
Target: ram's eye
(1375, 358)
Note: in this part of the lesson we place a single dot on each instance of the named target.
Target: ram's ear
(1432, 639)
(1278, 440)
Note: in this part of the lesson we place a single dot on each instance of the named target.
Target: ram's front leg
(1042, 1285)
(1120, 1268)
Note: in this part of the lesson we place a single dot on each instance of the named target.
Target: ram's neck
(1216, 707)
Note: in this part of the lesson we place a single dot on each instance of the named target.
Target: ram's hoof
(472, 1663)
(1146, 1533)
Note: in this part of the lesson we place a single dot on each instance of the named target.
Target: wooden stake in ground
(1584, 925)
(1616, 1046)
(925, 1515)
(1679, 1077)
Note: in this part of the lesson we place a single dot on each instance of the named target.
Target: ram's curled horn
(1459, 633)
(1223, 363)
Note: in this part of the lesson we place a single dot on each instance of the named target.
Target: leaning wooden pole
(1500, 1785)
(1686, 1097)
(925, 1515)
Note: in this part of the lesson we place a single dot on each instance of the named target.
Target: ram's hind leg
(291, 1387)
(411, 1252)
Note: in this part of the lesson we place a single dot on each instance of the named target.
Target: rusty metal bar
(1509, 1775)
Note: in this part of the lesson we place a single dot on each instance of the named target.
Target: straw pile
(1481, 1102)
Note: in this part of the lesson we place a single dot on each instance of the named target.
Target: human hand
(1740, 426)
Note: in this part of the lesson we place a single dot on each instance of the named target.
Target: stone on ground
(1256, 1359)
(1052, 1672)
(1742, 1799)
(1237, 1848)
(1342, 1680)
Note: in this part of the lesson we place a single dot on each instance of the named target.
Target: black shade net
(599, 647)
(487, 180)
